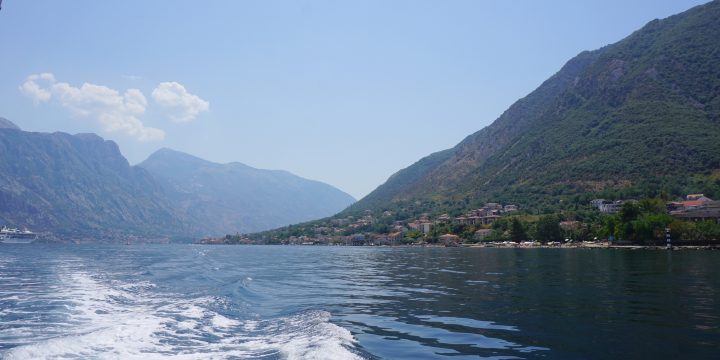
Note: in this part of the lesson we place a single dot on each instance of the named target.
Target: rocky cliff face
(78, 185)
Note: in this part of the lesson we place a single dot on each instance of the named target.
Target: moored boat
(16, 236)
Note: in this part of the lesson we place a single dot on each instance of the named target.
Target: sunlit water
(253, 302)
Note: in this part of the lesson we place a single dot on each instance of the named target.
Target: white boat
(15, 236)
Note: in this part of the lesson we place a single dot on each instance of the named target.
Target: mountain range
(640, 117)
(234, 197)
(634, 118)
(81, 187)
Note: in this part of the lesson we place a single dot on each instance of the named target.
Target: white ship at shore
(16, 236)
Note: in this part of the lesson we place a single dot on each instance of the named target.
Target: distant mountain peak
(81, 185)
(232, 197)
(165, 155)
(165, 150)
(7, 124)
(90, 136)
(175, 154)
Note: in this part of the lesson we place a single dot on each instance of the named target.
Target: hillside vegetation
(635, 118)
(638, 119)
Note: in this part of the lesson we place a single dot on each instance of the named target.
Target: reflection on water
(195, 302)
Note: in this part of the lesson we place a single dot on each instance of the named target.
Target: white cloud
(32, 89)
(182, 105)
(114, 111)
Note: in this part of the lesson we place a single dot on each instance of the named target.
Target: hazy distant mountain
(78, 185)
(7, 124)
(642, 115)
(229, 198)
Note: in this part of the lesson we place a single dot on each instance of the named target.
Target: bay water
(313, 302)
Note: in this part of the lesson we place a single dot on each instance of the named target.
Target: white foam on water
(223, 322)
(452, 271)
(308, 335)
(125, 321)
(476, 281)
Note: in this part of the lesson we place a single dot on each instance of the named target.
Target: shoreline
(596, 246)
(505, 246)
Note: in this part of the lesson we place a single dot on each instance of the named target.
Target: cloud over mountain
(181, 105)
(32, 90)
(116, 112)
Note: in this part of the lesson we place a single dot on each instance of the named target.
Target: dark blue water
(252, 302)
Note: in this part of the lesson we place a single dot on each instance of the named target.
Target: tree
(517, 231)
(708, 230)
(468, 233)
(548, 229)
(652, 206)
(412, 235)
(610, 224)
(629, 212)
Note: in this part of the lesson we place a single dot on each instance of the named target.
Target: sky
(344, 92)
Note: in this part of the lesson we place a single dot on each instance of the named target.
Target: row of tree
(640, 222)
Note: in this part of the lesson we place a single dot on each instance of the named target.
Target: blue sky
(345, 92)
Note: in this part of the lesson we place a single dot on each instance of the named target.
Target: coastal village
(474, 227)
(380, 230)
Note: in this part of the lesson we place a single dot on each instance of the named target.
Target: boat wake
(99, 320)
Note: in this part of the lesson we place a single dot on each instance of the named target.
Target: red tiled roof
(690, 203)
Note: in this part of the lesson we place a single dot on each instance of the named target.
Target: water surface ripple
(256, 302)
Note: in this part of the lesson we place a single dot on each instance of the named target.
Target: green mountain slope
(642, 114)
(229, 198)
(78, 186)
